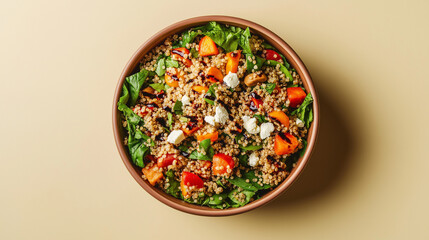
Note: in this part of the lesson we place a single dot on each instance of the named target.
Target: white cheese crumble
(253, 159)
(299, 123)
(186, 100)
(250, 125)
(221, 115)
(210, 120)
(266, 130)
(176, 137)
(231, 80)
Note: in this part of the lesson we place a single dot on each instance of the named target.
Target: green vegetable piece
(241, 182)
(270, 87)
(157, 86)
(260, 118)
(173, 189)
(248, 194)
(251, 66)
(160, 67)
(177, 108)
(305, 111)
(251, 147)
(135, 82)
(284, 70)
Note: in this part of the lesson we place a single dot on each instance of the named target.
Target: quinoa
(208, 143)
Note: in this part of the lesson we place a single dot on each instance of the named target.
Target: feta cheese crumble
(186, 100)
(176, 137)
(250, 125)
(221, 115)
(253, 160)
(266, 130)
(299, 123)
(210, 120)
(231, 80)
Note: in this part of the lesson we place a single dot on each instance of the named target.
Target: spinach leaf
(245, 41)
(157, 86)
(251, 176)
(211, 93)
(251, 147)
(248, 194)
(173, 189)
(135, 82)
(206, 145)
(240, 182)
(137, 145)
(244, 160)
(302, 151)
(260, 118)
(251, 66)
(124, 95)
(270, 87)
(305, 111)
(273, 63)
(171, 63)
(131, 117)
(217, 199)
(177, 108)
(160, 66)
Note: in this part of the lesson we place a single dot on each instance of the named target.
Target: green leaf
(125, 94)
(199, 156)
(171, 63)
(248, 194)
(260, 118)
(245, 41)
(251, 66)
(194, 53)
(244, 160)
(177, 108)
(284, 70)
(211, 90)
(305, 111)
(169, 120)
(157, 86)
(160, 67)
(251, 147)
(270, 87)
(211, 102)
(206, 145)
(251, 176)
(217, 199)
(131, 117)
(135, 82)
(136, 146)
(302, 151)
(240, 182)
(173, 189)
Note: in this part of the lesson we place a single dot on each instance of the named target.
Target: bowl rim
(270, 37)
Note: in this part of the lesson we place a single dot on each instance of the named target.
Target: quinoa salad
(216, 116)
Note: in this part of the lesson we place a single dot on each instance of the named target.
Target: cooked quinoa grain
(214, 122)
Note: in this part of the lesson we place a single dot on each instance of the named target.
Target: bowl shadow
(331, 159)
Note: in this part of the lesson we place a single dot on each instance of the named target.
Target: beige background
(62, 178)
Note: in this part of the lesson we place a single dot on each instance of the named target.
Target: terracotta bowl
(271, 38)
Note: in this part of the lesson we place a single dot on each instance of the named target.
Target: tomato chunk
(215, 75)
(285, 143)
(221, 164)
(296, 96)
(152, 174)
(212, 136)
(272, 55)
(166, 161)
(189, 180)
(281, 117)
(207, 47)
(233, 60)
(179, 53)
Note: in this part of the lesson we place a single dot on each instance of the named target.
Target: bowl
(132, 67)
